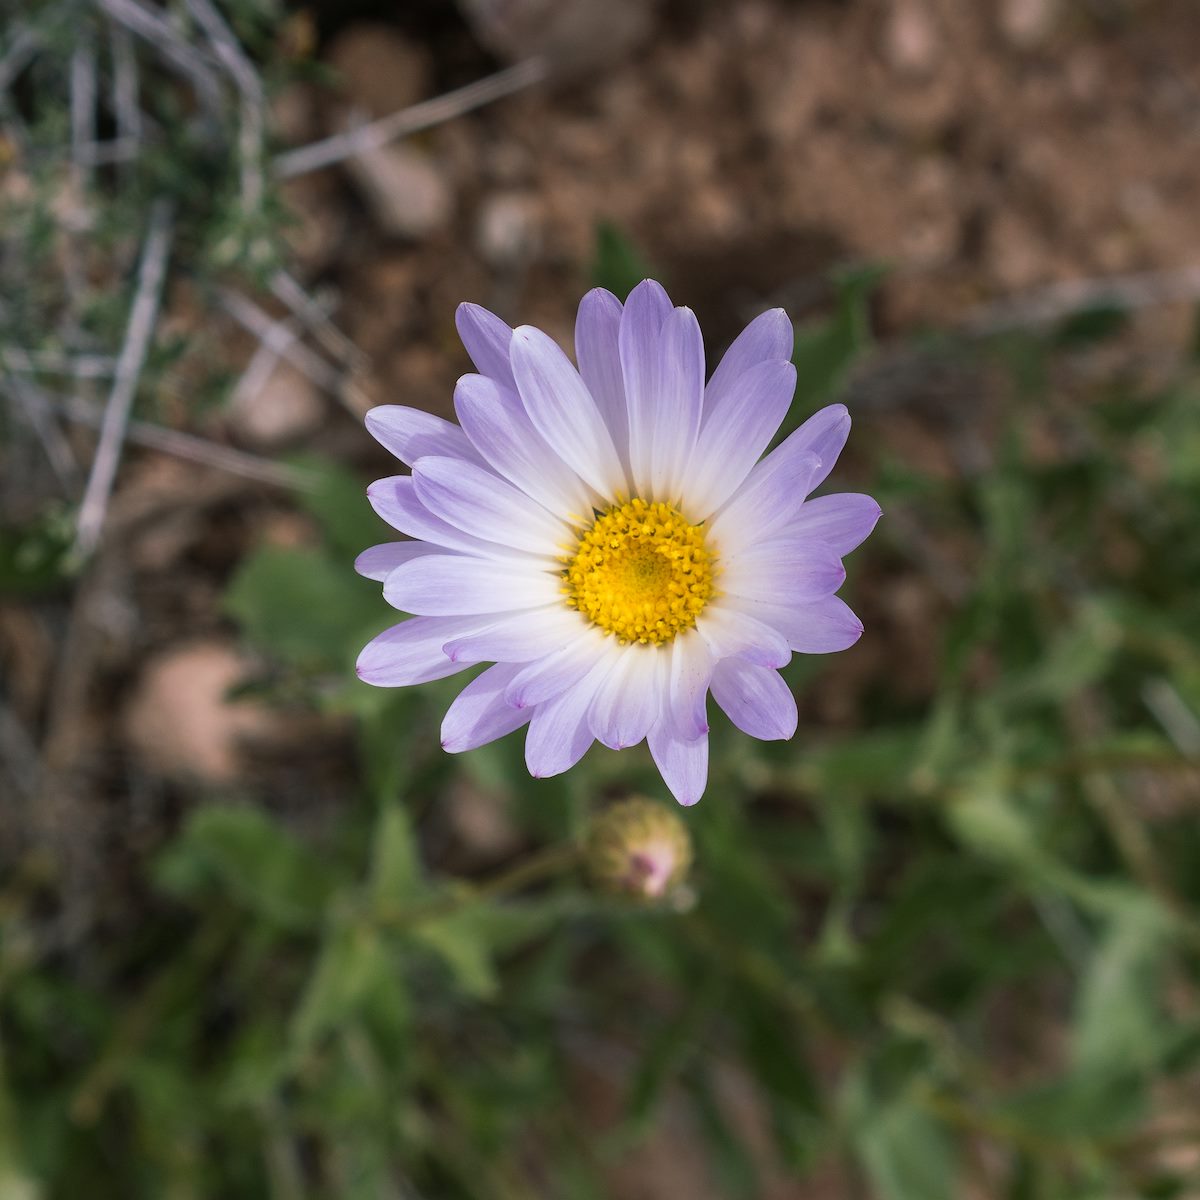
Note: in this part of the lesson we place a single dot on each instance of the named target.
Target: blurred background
(260, 937)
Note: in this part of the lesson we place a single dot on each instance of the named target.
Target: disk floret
(641, 571)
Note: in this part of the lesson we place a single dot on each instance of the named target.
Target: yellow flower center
(640, 571)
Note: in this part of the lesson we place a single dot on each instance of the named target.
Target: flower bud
(638, 848)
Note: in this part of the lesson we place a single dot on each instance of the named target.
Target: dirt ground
(981, 151)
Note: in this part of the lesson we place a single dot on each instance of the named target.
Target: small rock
(508, 229)
(284, 409)
(405, 189)
(571, 32)
(179, 720)
(911, 41)
(379, 70)
(1028, 23)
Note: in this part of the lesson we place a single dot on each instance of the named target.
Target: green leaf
(303, 608)
(395, 865)
(460, 940)
(1119, 1025)
(826, 350)
(617, 264)
(337, 498)
(36, 558)
(906, 1153)
(244, 855)
(354, 972)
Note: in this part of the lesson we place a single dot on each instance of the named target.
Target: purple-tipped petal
(629, 700)
(755, 699)
(553, 673)
(734, 634)
(639, 339)
(519, 637)
(823, 434)
(843, 521)
(563, 411)
(478, 503)
(410, 433)
(769, 499)
(487, 340)
(380, 561)
(732, 438)
(680, 399)
(495, 420)
(395, 500)
(798, 571)
(479, 714)
(822, 627)
(682, 762)
(597, 350)
(442, 584)
(769, 338)
(559, 735)
(411, 652)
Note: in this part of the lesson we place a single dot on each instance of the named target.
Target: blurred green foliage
(944, 930)
(938, 947)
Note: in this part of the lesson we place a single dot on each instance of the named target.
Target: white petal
(843, 521)
(676, 413)
(639, 339)
(732, 439)
(411, 433)
(768, 338)
(769, 499)
(481, 504)
(597, 332)
(555, 672)
(683, 762)
(563, 411)
(730, 633)
(479, 714)
(499, 427)
(559, 735)
(688, 673)
(519, 637)
(380, 561)
(755, 699)
(458, 583)
(411, 652)
(487, 339)
(395, 500)
(794, 572)
(630, 699)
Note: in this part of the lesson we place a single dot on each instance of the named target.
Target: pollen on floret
(640, 571)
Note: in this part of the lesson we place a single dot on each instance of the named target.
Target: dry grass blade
(181, 445)
(250, 137)
(411, 120)
(142, 317)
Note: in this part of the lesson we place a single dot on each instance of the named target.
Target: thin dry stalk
(411, 120)
(250, 90)
(142, 317)
(159, 33)
(315, 316)
(280, 338)
(183, 445)
(57, 448)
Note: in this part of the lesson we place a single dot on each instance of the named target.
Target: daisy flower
(607, 536)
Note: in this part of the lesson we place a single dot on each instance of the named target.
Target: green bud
(638, 848)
